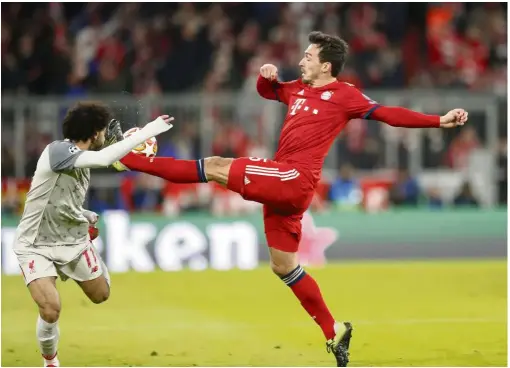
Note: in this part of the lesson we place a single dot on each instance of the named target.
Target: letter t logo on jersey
(297, 105)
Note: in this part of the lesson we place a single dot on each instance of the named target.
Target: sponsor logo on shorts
(31, 266)
(246, 181)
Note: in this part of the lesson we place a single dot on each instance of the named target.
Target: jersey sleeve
(357, 104)
(63, 155)
(274, 90)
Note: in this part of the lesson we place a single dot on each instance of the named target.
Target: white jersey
(53, 214)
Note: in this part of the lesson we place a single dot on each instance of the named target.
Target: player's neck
(322, 82)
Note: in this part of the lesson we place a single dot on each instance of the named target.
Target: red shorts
(283, 190)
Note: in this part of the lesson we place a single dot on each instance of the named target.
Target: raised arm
(270, 88)
(66, 155)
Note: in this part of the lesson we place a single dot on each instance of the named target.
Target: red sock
(168, 168)
(307, 291)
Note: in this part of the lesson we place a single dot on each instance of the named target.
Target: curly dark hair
(84, 120)
(333, 50)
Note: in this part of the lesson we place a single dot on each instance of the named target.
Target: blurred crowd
(404, 190)
(76, 50)
(150, 48)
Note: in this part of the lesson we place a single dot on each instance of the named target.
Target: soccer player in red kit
(319, 107)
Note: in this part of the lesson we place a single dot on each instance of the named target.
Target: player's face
(311, 67)
(98, 142)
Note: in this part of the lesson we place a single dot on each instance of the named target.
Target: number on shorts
(257, 159)
(95, 267)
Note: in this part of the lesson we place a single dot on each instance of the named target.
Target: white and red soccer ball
(149, 148)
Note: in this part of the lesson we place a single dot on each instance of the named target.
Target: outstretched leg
(250, 177)
(168, 168)
(214, 168)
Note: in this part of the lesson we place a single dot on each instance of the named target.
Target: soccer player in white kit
(52, 238)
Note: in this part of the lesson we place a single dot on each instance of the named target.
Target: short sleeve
(63, 155)
(357, 104)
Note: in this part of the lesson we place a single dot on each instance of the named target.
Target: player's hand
(119, 166)
(269, 71)
(91, 217)
(165, 118)
(93, 232)
(113, 133)
(454, 118)
(160, 124)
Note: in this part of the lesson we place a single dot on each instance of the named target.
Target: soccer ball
(147, 149)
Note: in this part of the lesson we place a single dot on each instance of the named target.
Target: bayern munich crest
(326, 95)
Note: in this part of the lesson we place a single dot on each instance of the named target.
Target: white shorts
(78, 262)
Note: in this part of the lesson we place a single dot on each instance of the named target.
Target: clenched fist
(454, 118)
(269, 71)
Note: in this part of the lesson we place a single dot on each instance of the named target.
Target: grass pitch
(431, 313)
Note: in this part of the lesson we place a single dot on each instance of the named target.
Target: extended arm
(110, 154)
(405, 118)
(402, 117)
(359, 105)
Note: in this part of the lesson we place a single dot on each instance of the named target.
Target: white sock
(47, 335)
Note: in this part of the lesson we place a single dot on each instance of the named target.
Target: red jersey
(314, 118)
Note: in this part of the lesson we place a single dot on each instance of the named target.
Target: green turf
(433, 313)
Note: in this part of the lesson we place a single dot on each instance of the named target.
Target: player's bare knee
(106, 294)
(49, 311)
(100, 296)
(215, 164)
(283, 263)
(217, 168)
(281, 269)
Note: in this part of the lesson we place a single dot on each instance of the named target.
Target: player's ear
(326, 67)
